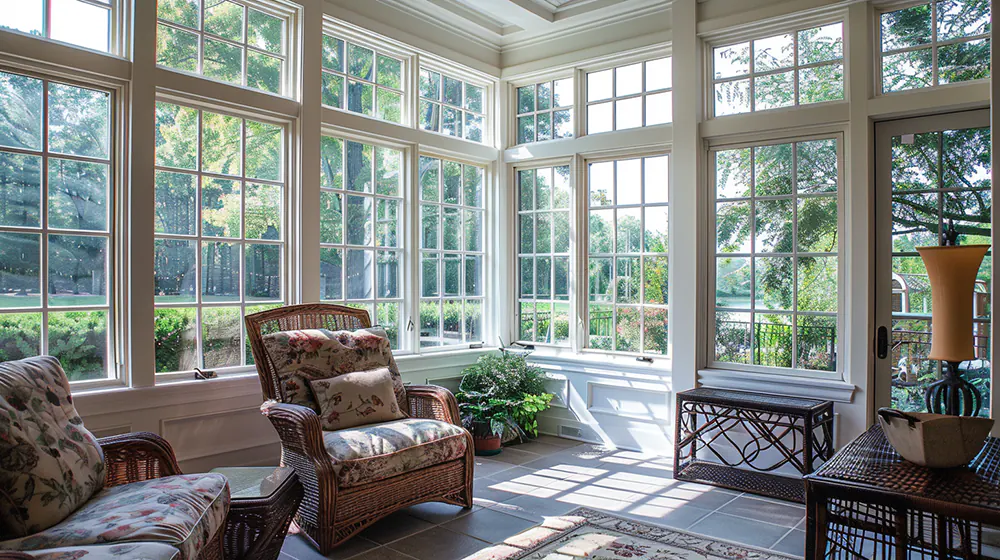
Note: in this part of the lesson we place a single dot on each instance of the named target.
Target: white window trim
(511, 106)
(842, 268)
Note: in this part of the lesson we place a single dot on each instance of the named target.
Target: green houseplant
(506, 393)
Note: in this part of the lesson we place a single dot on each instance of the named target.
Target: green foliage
(504, 389)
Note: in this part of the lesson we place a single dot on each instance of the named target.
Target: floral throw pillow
(49, 463)
(356, 399)
(306, 355)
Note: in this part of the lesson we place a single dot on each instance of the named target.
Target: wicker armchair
(330, 514)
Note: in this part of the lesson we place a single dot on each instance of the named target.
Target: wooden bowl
(935, 440)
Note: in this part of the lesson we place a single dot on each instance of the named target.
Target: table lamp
(952, 271)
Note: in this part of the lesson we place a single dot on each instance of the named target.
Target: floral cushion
(379, 451)
(302, 356)
(128, 551)
(49, 463)
(356, 399)
(184, 511)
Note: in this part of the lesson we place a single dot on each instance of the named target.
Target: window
(56, 178)
(373, 81)
(220, 234)
(451, 106)
(776, 255)
(628, 262)
(935, 43)
(796, 68)
(451, 252)
(84, 23)
(630, 96)
(223, 40)
(361, 257)
(545, 111)
(543, 254)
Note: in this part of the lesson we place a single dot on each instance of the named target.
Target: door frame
(884, 132)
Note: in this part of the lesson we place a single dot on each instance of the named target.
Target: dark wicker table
(264, 499)
(867, 502)
(783, 431)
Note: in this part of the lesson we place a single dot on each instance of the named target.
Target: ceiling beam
(523, 13)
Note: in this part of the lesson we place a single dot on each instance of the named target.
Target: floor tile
(383, 553)
(515, 456)
(537, 447)
(438, 512)
(533, 508)
(557, 441)
(489, 467)
(489, 525)
(738, 529)
(438, 544)
(300, 549)
(679, 517)
(793, 543)
(696, 495)
(785, 515)
(395, 527)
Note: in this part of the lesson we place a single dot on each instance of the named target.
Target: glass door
(929, 171)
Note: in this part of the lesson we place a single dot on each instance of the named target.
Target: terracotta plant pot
(487, 444)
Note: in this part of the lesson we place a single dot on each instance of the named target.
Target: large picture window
(84, 23)
(630, 96)
(224, 40)
(451, 252)
(797, 68)
(627, 256)
(220, 234)
(362, 80)
(544, 200)
(452, 106)
(935, 43)
(56, 178)
(776, 255)
(361, 206)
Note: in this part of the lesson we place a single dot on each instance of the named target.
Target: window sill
(788, 385)
(167, 393)
(594, 361)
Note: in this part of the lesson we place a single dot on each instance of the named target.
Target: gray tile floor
(551, 476)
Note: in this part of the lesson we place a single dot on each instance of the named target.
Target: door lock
(882, 343)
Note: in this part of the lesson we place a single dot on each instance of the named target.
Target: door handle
(882, 343)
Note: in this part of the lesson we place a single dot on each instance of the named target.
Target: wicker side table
(867, 502)
(264, 499)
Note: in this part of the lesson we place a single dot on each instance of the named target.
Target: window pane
(628, 80)
(360, 274)
(388, 224)
(176, 136)
(906, 70)
(78, 270)
(628, 113)
(389, 106)
(474, 321)
(175, 339)
(78, 194)
(655, 279)
(429, 275)
(262, 212)
(331, 219)
(526, 129)
(474, 98)
(81, 24)
(265, 31)
(908, 27)
(176, 49)
(473, 275)
(174, 270)
(388, 274)
(429, 231)
(333, 90)
(176, 206)
(773, 226)
(773, 53)
(774, 90)
(430, 85)
(772, 340)
(264, 72)
(221, 336)
(220, 210)
(732, 222)
(543, 96)
(817, 343)
(360, 98)
(659, 74)
(817, 284)
(628, 181)
(79, 121)
(655, 331)
(452, 182)
(20, 271)
(452, 275)
(732, 337)
(263, 272)
(331, 268)
(264, 148)
(333, 53)
(430, 323)
(224, 19)
(962, 18)
(562, 125)
(473, 230)
(733, 60)
(600, 285)
(452, 91)
(473, 127)
(473, 186)
(451, 229)
(820, 44)
(627, 330)
(221, 143)
(599, 118)
(22, 96)
(525, 99)
(562, 93)
(223, 61)
(451, 121)
(220, 271)
(359, 220)
(80, 340)
(822, 83)
(359, 166)
(732, 282)
(962, 62)
(732, 98)
(773, 283)
(628, 280)
(27, 19)
(20, 190)
(600, 85)
(430, 116)
(601, 231)
(659, 108)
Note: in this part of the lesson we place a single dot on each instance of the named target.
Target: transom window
(545, 111)
(225, 40)
(362, 80)
(56, 191)
(627, 257)
(543, 254)
(796, 68)
(220, 234)
(84, 23)
(935, 43)
(452, 106)
(361, 205)
(776, 255)
(451, 252)
(630, 96)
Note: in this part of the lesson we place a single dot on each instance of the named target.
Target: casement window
(796, 68)
(57, 187)
(452, 226)
(220, 244)
(630, 96)
(544, 111)
(361, 237)
(362, 80)
(628, 255)
(240, 43)
(452, 106)
(777, 246)
(543, 246)
(84, 23)
(934, 44)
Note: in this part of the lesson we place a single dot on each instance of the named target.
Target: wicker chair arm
(137, 456)
(298, 429)
(432, 401)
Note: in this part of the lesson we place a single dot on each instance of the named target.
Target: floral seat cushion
(379, 451)
(306, 355)
(183, 511)
(49, 463)
(127, 551)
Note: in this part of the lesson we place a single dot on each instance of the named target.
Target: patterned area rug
(586, 533)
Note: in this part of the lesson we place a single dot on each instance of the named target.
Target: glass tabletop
(254, 482)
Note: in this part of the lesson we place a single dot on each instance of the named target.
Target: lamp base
(953, 394)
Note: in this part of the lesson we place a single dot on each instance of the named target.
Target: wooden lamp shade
(952, 273)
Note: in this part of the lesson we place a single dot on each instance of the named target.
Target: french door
(929, 171)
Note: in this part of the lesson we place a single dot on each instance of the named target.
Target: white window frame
(489, 91)
(117, 25)
(711, 229)
(512, 107)
(582, 104)
(764, 33)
